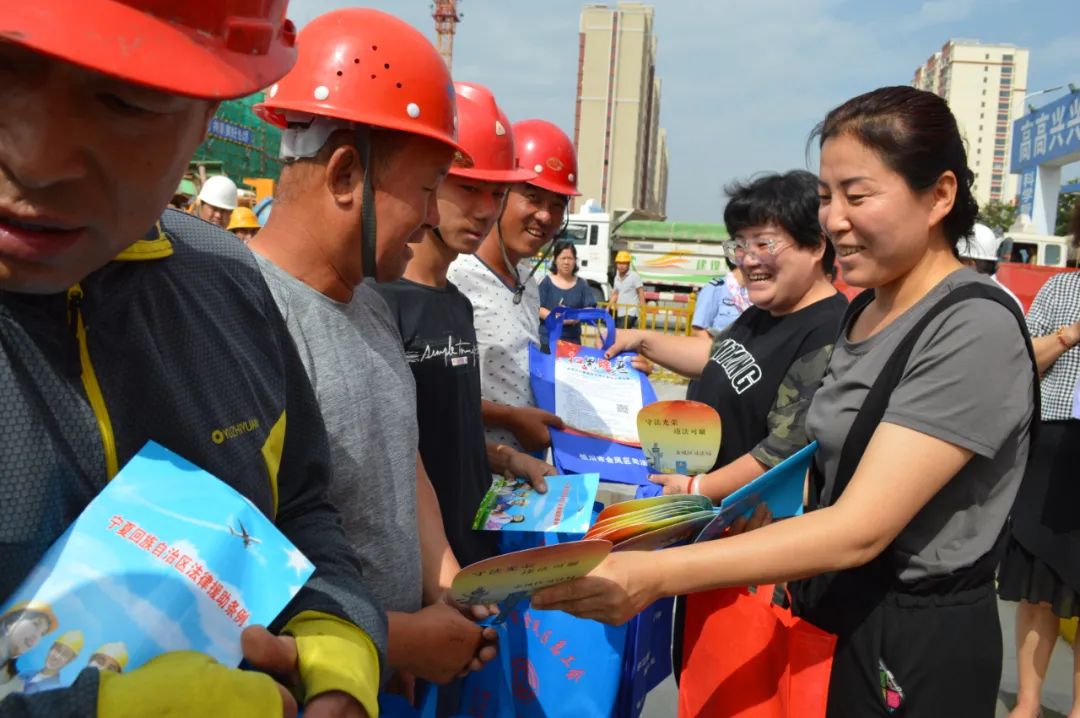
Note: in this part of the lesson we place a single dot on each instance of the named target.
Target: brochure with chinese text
(165, 558)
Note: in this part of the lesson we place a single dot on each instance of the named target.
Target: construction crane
(446, 18)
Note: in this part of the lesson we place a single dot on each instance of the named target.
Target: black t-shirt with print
(440, 345)
(748, 362)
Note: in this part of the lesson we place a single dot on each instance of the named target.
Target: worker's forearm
(438, 561)
(495, 415)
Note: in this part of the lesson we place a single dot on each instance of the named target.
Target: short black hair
(559, 248)
(788, 200)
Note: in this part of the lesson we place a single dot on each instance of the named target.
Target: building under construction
(240, 145)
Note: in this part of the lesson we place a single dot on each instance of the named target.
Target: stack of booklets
(637, 525)
(647, 524)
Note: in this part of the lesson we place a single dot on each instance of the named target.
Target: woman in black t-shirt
(761, 371)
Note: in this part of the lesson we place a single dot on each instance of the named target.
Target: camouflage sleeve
(787, 418)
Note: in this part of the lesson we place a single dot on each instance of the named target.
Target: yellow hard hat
(243, 218)
(116, 651)
(73, 640)
(39, 607)
(623, 256)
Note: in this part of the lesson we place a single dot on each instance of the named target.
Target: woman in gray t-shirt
(902, 550)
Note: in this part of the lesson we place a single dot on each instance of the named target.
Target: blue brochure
(780, 488)
(165, 558)
(513, 505)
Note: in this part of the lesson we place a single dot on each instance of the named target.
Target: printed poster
(597, 396)
(165, 558)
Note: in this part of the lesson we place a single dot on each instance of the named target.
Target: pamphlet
(165, 558)
(780, 488)
(513, 505)
(679, 437)
(521, 573)
(597, 396)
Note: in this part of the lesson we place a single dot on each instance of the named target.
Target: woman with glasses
(761, 371)
(563, 288)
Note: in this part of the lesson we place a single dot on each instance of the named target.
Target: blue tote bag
(579, 454)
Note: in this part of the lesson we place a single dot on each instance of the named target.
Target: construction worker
(436, 325)
(183, 195)
(109, 657)
(503, 290)
(185, 338)
(979, 250)
(244, 224)
(364, 158)
(216, 201)
(626, 289)
(63, 651)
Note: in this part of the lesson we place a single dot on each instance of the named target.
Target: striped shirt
(1057, 304)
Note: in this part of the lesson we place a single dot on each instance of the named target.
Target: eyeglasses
(763, 248)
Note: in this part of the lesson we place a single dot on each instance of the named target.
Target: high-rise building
(622, 151)
(985, 86)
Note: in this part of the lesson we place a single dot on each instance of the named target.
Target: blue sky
(743, 81)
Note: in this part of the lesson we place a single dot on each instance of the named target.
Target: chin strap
(304, 137)
(367, 215)
(519, 283)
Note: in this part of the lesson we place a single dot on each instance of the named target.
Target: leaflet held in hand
(165, 558)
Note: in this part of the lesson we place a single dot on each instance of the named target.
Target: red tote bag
(745, 657)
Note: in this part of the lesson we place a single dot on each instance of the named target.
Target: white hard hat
(980, 244)
(219, 191)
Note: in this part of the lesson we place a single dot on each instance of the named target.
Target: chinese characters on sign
(1048, 134)
(225, 130)
(183, 563)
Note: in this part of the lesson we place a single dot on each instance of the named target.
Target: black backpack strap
(877, 400)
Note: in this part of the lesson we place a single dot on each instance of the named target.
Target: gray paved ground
(1057, 692)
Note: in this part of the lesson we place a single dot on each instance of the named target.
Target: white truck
(678, 257)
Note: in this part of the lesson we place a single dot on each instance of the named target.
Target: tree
(1066, 202)
(997, 215)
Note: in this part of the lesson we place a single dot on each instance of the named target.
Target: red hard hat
(368, 67)
(485, 133)
(211, 49)
(545, 149)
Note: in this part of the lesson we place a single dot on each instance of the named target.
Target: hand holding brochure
(165, 558)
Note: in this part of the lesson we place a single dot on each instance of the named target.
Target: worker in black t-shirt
(436, 324)
(761, 371)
